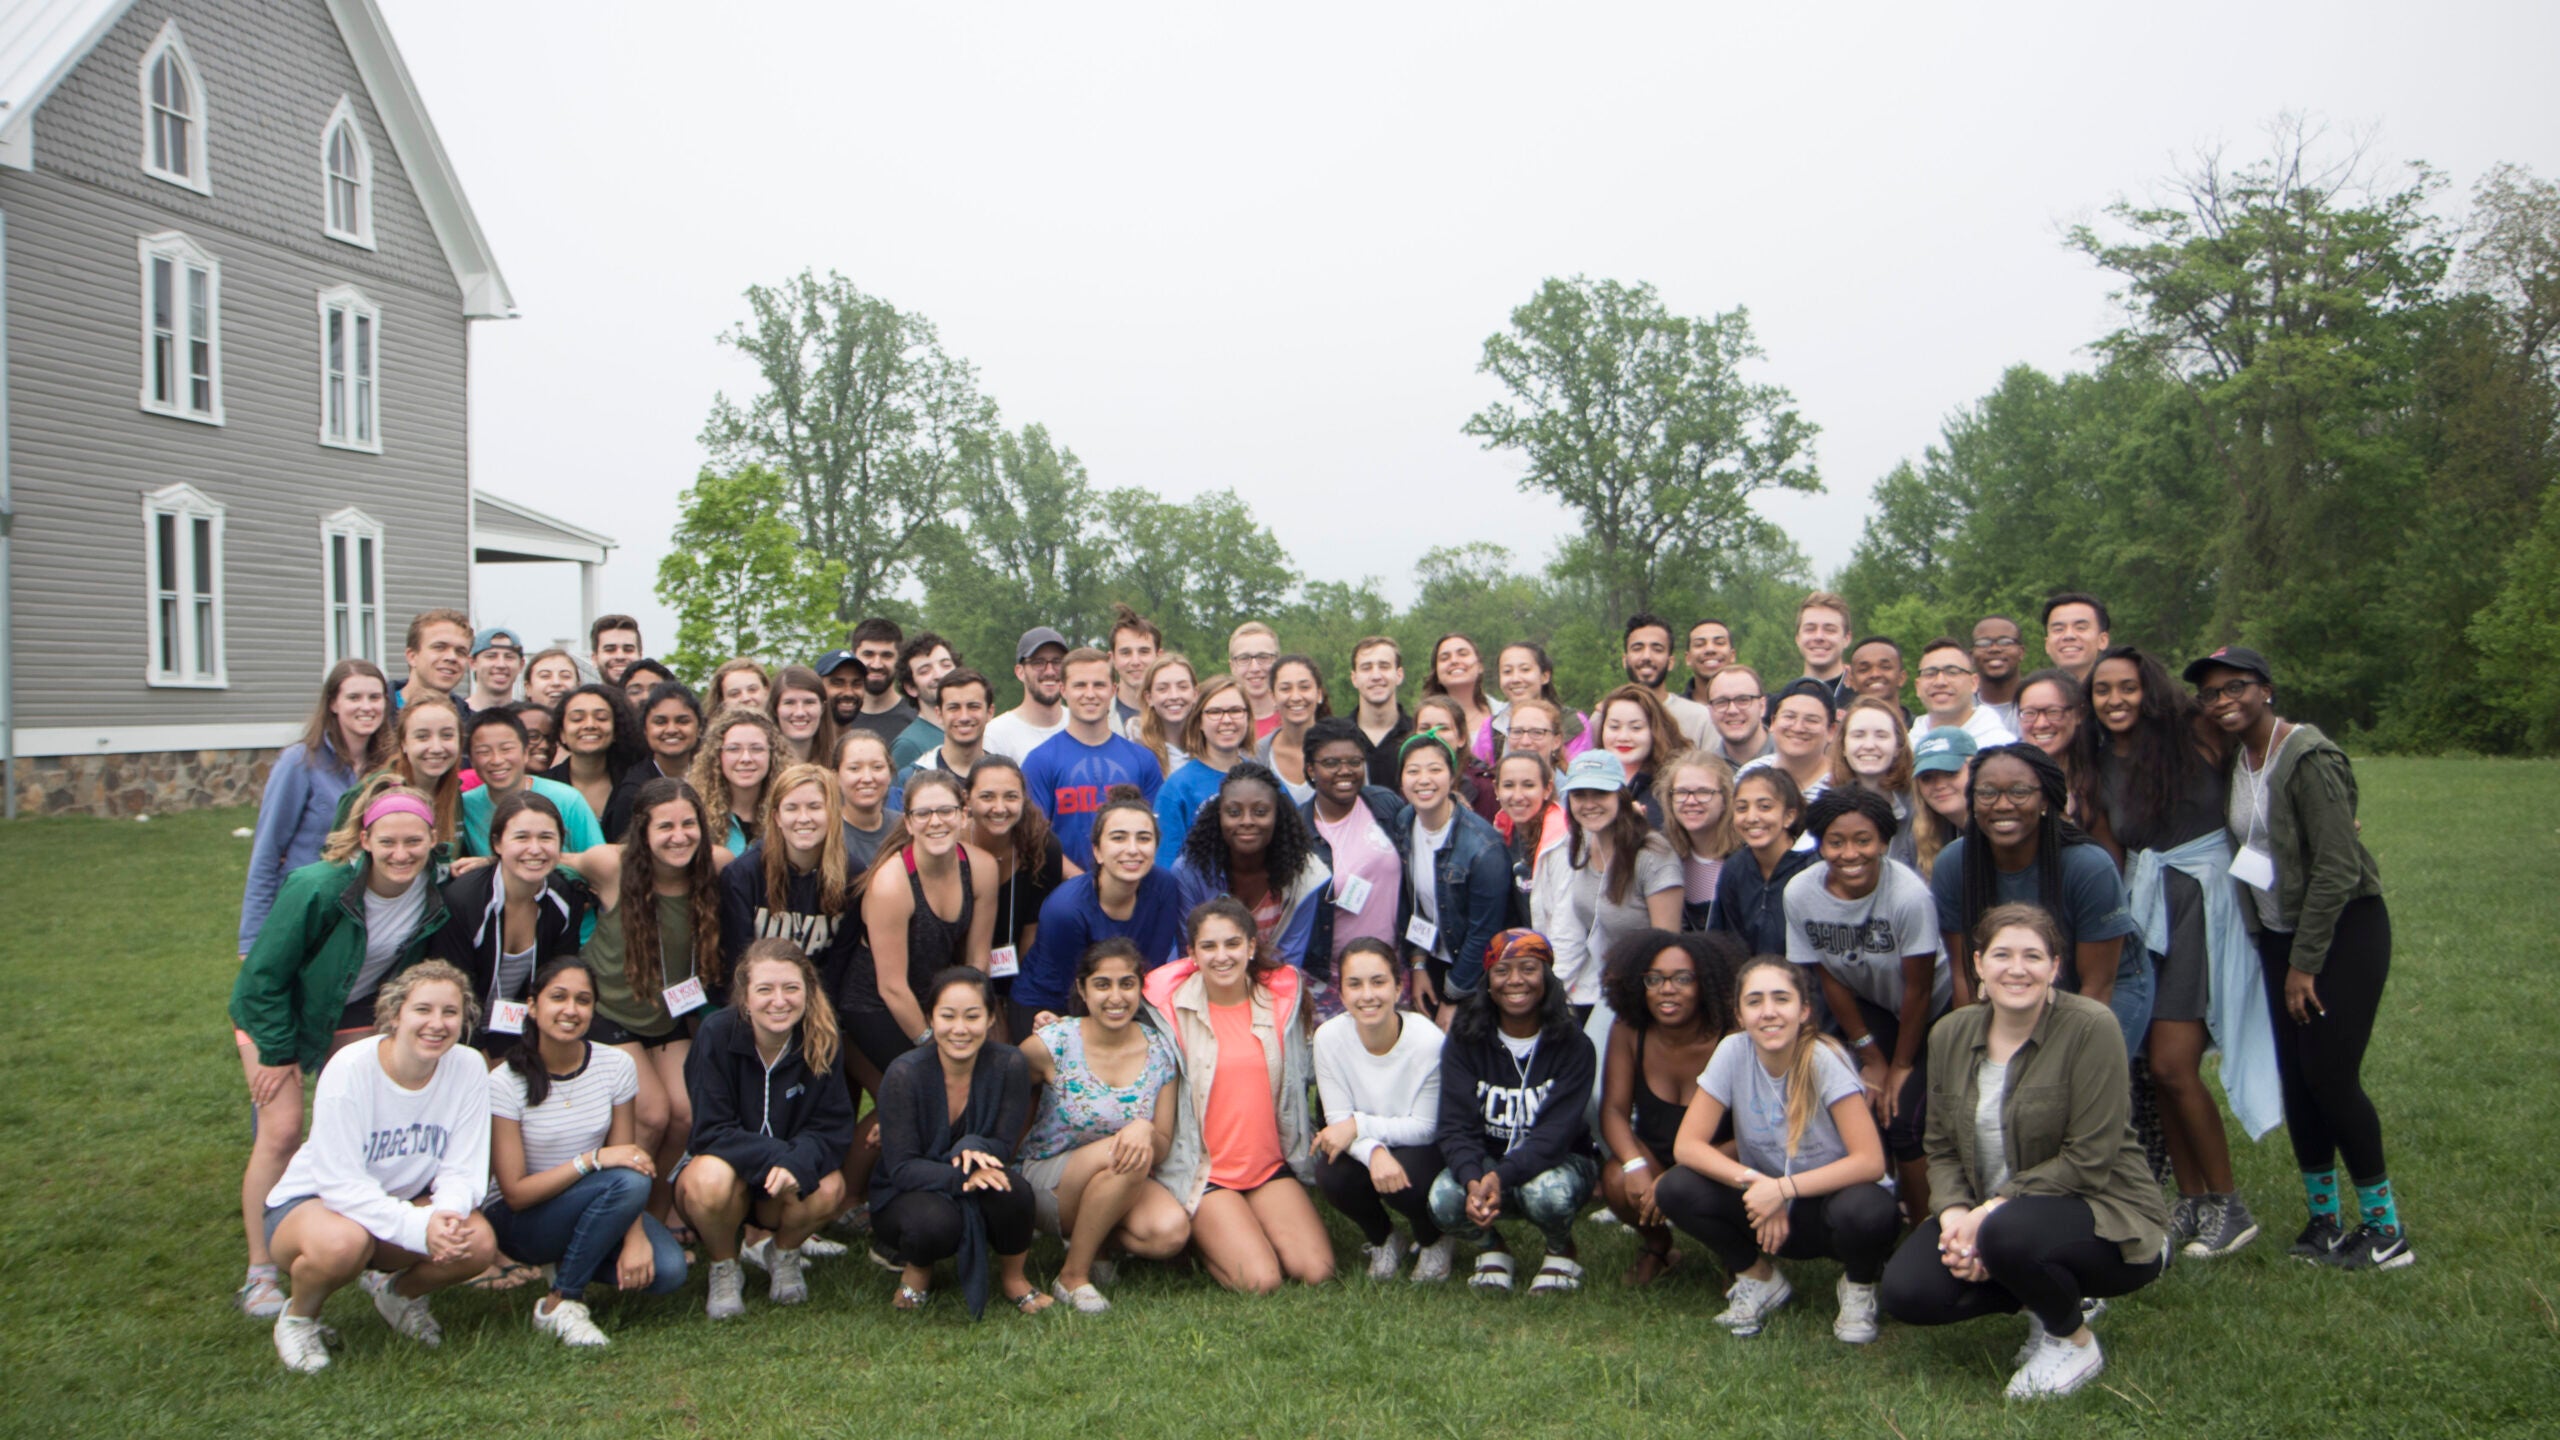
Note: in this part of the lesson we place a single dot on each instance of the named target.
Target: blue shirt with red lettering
(1068, 779)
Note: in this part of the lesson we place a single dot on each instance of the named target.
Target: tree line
(2325, 428)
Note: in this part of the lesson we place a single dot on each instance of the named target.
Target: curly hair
(643, 949)
(1716, 955)
(1292, 847)
(628, 746)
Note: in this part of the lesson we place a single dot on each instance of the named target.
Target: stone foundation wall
(120, 786)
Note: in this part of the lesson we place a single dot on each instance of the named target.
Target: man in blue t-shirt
(1070, 773)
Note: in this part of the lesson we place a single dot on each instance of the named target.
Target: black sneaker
(2317, 1239)
(2223, 1224)
(2368, 1248)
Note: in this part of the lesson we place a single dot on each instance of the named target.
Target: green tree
(869, 423)
(1196, 568)
(2518, 634)
(1641, 423)
(739, 578)
(1025, 552)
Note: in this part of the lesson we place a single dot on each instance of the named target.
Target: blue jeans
(580, 1231)
(1551, 1200)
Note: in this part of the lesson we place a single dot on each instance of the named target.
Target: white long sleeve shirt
(375, 1147)
(1394, 1098)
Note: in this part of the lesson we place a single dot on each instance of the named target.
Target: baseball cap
(835, 660)
(495, 636)
(1818, 689)
(1034, 638)
(1943, 751)
(2231, 657)
(1594, 770)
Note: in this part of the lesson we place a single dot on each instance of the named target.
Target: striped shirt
(578, 1113)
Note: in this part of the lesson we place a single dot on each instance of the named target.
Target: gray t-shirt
(1861, 943)
(1757, 1100)
(1990, 1144)
(389, 921)
(1605, 922)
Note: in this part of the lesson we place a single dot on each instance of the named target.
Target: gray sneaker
(728, 1291)
(2223, 1224)
(2182, 1223)
(790, 1286)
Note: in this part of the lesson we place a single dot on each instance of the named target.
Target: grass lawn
(123, 1125)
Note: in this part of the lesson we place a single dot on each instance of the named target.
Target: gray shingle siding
(82, 451)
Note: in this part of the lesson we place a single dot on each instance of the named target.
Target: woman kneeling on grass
(1804, 1185)
(1672, 999)
(338, 930)
(2043, 1194)
(1104, 1123)
(389, 1186)
(573, 1189)
(1237, 1017)
(1378, 1070)
(771, 1122)
(946, 1187)
(1515, 1081)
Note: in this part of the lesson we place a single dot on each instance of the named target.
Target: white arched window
(173, 113)
(346, 178)
(182, 537)
(350, 371)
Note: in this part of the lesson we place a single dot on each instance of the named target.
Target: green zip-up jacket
(2321, 862)
(294, 985)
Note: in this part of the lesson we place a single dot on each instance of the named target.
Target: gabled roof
(42, 40)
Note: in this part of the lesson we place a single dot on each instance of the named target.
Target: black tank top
(1657, 1121)
(933, 943)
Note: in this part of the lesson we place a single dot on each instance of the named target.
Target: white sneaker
(2034, 1341)
(1856, 1323)
(728, 1291)
(1431, 1263)
(299, 1345)
(1385, 1260)
(760, 1254)
(407, 1316)
(1753, 1301)
(2057, 1368)
(569, 1323)
(818, 1247)
(789, 1286)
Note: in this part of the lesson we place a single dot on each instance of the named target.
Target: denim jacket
(1472, 893)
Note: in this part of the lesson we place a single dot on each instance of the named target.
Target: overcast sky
(1208, 249)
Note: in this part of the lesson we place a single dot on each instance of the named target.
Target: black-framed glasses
(2000, 642)
(1671, 979)
(1728, 702)
(2014, 794)
(2227, 690)
(1941, 672)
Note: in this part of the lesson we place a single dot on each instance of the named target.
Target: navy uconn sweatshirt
(1517, 1122)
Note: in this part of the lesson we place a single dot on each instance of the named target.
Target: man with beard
(879, 707)
(1998, 653)
(1648, 662)
(1039, 662)
(1741, 714)
(922, 662)
(1710, 650)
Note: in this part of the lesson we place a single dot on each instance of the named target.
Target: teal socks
(2320, 1189)
(2377, 1206)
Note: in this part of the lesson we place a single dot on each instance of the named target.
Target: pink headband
(397, 804)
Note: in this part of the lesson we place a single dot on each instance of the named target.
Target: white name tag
(1351, 892)
(2253, 866)
(1421, 934)
(1003, 963)
(506, 1017)
(685, 996)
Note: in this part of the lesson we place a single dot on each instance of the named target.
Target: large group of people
(613, 979)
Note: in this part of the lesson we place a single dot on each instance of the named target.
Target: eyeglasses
(2052, 714)
(1340, 763)
(1043, 667)
(933, 815)
(1532, 732)
(1992, 795)
(1671, 979)
(1225, 712)
(2227, 690)
(1263, 657)
(1694, 794)
(1941, 672)
(1728, 702)
(2000, 642)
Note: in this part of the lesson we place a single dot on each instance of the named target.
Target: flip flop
(1031, 1302)
(508, 1275)
(910, 1298)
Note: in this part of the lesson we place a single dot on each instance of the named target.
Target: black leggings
(1854, 1226)
(1910, 1116)
(876, 1034)
(2325, 1108)
(922, 1227)
(2043, 1253)
(1346, 1183)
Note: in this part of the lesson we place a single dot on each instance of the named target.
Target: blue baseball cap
(1944, 751)
(1594, 770)
(493, 637)
(833, 661)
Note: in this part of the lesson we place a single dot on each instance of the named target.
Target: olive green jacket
(2321, 862)
(2066, 1120)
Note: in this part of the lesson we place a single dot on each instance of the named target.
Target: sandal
(910, 1298)
(1031, 1301)
(506, 1275)
(1557, 1275)
(1494, 1269)
(1652, 1265)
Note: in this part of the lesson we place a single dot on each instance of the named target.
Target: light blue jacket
(294, 815)
(2236, 1014)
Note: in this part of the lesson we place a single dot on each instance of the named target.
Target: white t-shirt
(389, 921)
(1395, 1097)
(1427, 845)
(1986, 728)
(1012, 736)
(374, 1146)
(578, 1113)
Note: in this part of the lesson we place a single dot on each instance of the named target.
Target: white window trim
(188, 504)
(199, 178)
(362, 235)
(351, 300)
(177, 248)
(351, 525)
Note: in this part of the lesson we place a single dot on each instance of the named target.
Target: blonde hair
(712, 786)
(711, 687)
(1151, 725)
(1896, 779)
(834, 889)
(396, 990)
(348, 838)
(1803, 1095)
(1722, 840)
(819, 1034)
(445, 791)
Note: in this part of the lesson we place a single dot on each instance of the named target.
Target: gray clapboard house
(239, 277)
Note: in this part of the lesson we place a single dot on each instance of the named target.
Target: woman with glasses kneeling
(2043, 1195)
